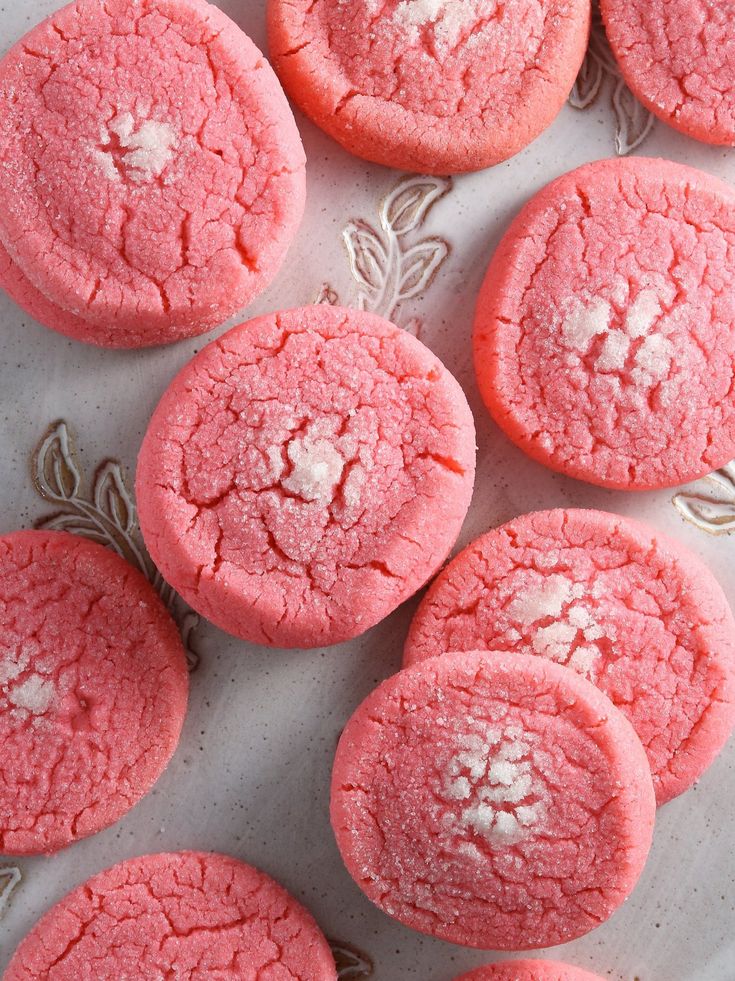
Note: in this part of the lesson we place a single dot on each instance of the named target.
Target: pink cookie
(437, 86)
(605, 330)
(678, 57)
(93, 688)
(151, 173)
(305, 474)
(628, 608)
(494, 800)
(192, 916)
(529, 971)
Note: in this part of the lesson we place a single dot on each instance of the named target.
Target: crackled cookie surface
(305, 474)
(151, 173)
(678, 57)
(93, 689)
(529, 971)
(189, 915)
(494, 800)
(628, 608)
(605, 330)
(435, 86)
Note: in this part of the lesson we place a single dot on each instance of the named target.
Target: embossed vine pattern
(710, 505)
(389, 264)
(105, 514)
(600, 73)
(10, 877)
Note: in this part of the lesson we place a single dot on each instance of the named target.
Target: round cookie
(493, 800)
(435, 86)
(529, 971)
(151, 172)
(605, 329)
(678, 57)
(93, 689)
(188, 915)
(305, 474)
(631, 610)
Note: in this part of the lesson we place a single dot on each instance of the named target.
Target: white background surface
(251, 775)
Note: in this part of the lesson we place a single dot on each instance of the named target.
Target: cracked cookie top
(151, 173)
(305, 474)
(678, 57)
(493, 800)
(192, 916)
(435, 86)
(605, 330)
(93, 689)
(626, 607)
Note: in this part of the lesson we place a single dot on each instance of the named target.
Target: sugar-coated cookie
(678, 57)
(529, 971)
(494, 800)
(93, 689)
(192, 916)
(151, 173)
(436, 86)
(605, 330)
(631, 610)
(305, 474)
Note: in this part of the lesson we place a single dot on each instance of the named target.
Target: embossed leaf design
(588, 84)
(327, 295)
(368, 257)
(56, 474)
(406, 207)
(419, 266)
(713, 513)
(75, 524)
(634, 121)
(9, 879)
(351, 963)
(715, 517)
(111, 496)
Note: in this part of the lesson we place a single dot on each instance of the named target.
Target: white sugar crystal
(614, 352)
(506, 825)
(545, 600)
(584, 660)
(653, 358)
(528, 815)
(35, 694)
(317, 469)
(449, 18)
(583, 323)
(554, 641)
(150, 148)
(643, 313)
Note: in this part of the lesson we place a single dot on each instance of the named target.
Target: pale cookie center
(492, 775)
(139, 151)
(648, 362)
(33, 693)
(560, 599)
(317, 469)
(449, 18)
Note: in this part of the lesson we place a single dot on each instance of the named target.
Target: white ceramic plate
(251, 775)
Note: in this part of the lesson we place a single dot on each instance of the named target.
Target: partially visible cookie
(93, 689)
(436, 86)
(626, 607)
(529, 971)
(192, 916)
(151, 173)
(678, 57)
(493, 800)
